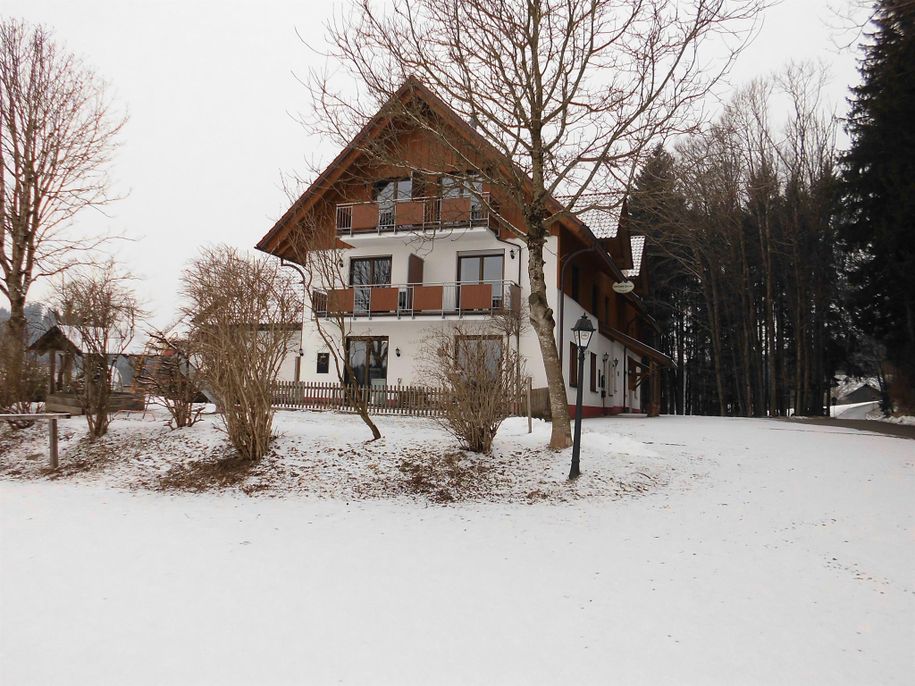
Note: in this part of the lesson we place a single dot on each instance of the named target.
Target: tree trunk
(545, 326)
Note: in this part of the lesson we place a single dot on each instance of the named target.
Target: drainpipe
(298, 268)
(512, 246)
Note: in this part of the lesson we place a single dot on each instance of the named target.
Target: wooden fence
(419, 401)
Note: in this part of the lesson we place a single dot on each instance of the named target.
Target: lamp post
(581, 333)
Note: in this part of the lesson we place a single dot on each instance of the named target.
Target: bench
(51, 418)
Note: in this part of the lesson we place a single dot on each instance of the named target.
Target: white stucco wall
(440, 266)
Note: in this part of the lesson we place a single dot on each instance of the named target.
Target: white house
(424, 252)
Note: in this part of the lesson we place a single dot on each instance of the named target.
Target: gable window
(386, 193)
(463, 185)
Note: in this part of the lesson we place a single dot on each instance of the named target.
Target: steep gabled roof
(413, 88)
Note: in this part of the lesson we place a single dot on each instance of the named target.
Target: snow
(327, 455)
(853, 410)
(870, 411)
(773, 552)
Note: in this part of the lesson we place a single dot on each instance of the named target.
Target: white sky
(209, 89)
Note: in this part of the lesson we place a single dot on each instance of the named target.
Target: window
(483, 269)
(386, 193)
(593, 372)
(462, 185)
(323, 363)
(368, 358)
(390, 190)
(370, 271)
(480, 268)
(573, 365)
(485, 351)
(576, 282)
(365, 272)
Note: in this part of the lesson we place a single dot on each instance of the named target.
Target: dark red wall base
(591, 411)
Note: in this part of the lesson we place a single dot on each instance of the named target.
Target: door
(364, 273)
(368, 358)
(386, 194)
(475, 269)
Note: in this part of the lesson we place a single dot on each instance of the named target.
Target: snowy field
(753, 552)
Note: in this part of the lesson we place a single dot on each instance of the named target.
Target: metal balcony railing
(411, 300)
(413, 214)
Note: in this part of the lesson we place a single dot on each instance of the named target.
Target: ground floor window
(368, 358)
(482, 351)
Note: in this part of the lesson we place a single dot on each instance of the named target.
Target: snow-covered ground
(758, 552)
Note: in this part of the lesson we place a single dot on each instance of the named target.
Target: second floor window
(365, 272)
(480, 268)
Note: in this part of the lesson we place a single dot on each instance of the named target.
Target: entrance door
(369, 359)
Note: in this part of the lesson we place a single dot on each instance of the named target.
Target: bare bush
(239, 308)
(479, 372)
(170, 380)
(103, 310)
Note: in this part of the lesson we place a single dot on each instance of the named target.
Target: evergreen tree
(879, 186)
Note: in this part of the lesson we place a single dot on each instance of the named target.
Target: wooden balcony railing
(454, 298)
(413, 214)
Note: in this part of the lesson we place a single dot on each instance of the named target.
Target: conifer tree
(879, 186)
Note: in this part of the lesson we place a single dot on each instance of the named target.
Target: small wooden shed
(64, 347)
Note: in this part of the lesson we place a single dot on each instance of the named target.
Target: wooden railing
(417, 401)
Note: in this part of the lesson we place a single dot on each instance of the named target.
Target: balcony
(413, 214)
(428, 299)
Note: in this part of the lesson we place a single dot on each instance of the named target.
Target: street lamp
(581, 334)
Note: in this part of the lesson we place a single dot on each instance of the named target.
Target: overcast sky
(209, 88)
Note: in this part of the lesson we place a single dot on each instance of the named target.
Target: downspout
(512, 246)
(298, 268)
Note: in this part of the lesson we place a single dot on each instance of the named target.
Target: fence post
(52, 437)
(530, 423)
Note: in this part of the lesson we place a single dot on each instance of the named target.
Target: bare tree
(57, 136)
(331, 304)
(103, 310)
(240, 308)
(478, 371)
(567, 94)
